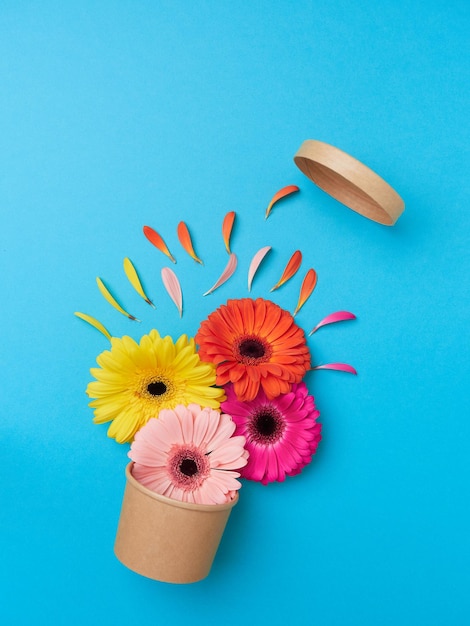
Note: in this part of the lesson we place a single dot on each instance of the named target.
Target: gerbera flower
(189, 454)
(254, 343)
(136, 381)
(281, 434)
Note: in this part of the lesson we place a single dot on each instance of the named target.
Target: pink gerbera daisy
(189, 454)
(281, 434)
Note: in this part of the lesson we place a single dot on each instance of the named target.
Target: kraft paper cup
(165, 539)
(349, 181)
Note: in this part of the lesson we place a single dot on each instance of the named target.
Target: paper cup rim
(207, 508)
(349, 181)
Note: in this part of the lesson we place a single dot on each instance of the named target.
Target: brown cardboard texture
(165, 539)
(349, 181)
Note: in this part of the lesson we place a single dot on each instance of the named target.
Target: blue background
(118, 114)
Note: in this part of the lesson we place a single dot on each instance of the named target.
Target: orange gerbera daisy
(254, 343)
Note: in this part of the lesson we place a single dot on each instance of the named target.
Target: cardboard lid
(349, 181)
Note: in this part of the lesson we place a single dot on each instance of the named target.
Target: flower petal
(173, 287)
(285, 191)
(134, 280)
(226, 274)
(290, 269)
(112, 300)
(340, 367)
(339, 316)
(185, 240)
(308, 285)
(158, 242)
(227, 226)
(255, 263)
(93, 322)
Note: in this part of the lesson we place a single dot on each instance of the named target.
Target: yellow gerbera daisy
(135, 381)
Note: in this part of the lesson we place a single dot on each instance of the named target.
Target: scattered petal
(340, 367)
(255, 263)
(112, 301)
(185, 240)
(339, 316)
(134, 280)
(290, 269)
(172, 285)
(228, 271)
(94, 322)
(157, 241)
(285, 191)
(308, 285)
(227, 226)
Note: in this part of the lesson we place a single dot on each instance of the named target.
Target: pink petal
(146, 455)
(229, 455)
(210, 493)
(255, 263)
(227, 480)
(225, 430)
(201, 424)
(172, 285)
(150, 437)
(289, 461)
(341, 367)
(256, 469)
(226, 274)
(212, 427)
(187, 424)
(272, 470)
(339, 316)
(154, 479)
(170, 427)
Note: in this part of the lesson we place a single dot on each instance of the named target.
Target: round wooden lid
(349, 181)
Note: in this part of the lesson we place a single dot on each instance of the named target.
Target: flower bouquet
(202, 412)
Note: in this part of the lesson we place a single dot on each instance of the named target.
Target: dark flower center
(157, 388)
(252, 349)
(267, 425)
(188, 467)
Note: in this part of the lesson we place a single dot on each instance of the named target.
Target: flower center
(252, 350)
(188, 467)
(156, 388)
(266, 425)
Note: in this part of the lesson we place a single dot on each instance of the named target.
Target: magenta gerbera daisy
(189, 454)
(281, 434)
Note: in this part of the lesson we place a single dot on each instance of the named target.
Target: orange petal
(285, 191)
(308, 285)
(227, 226)
(158, 242)
(291, 268)
(185, 240)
